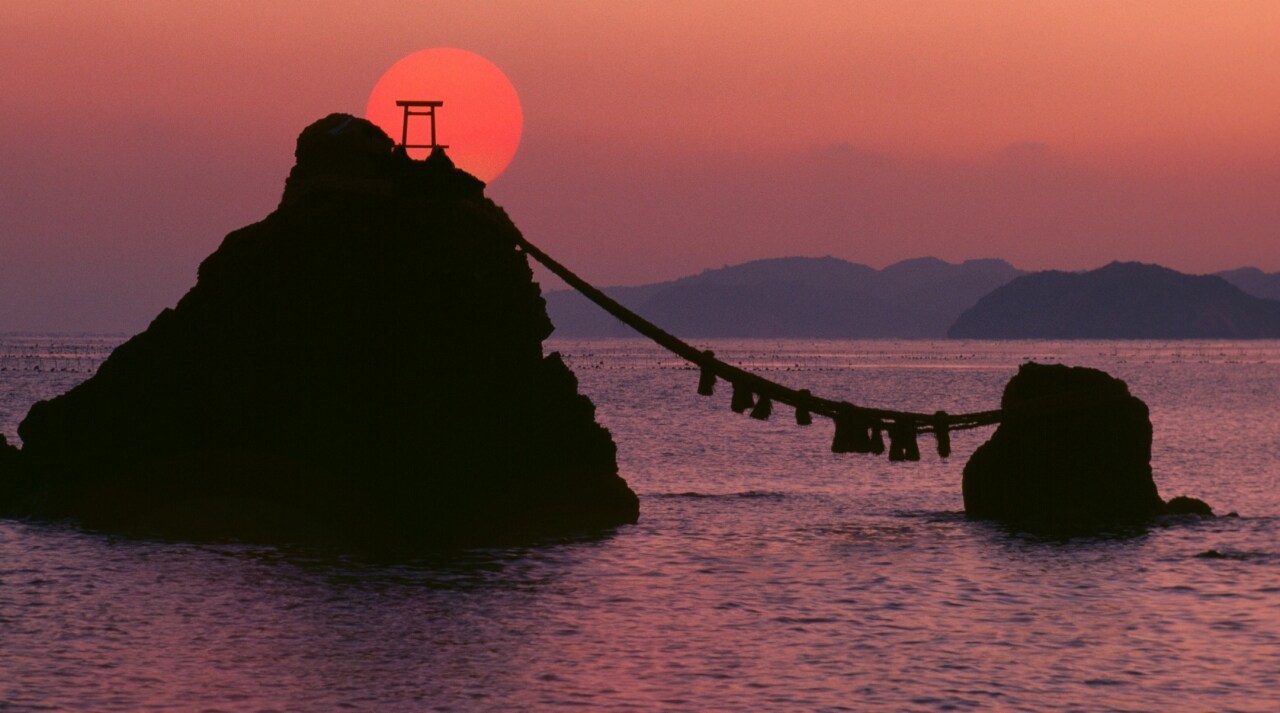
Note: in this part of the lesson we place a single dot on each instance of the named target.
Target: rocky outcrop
(1073, 454)
(364, 365)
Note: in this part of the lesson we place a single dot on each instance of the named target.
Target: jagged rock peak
(342, 153)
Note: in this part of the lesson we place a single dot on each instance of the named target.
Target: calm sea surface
(766, 573)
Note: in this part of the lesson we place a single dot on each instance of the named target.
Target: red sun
(480, 120)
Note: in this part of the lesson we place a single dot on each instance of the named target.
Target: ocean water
(766, 573)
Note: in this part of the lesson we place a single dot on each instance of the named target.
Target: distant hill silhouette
(1124, 300)
(820, 297)
(1254, 281)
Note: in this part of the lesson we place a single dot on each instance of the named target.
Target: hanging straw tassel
(852, 431)
(941, 432)
(707, 379)
(862, 438)
(877, 438)
(803, 417)
(742, 399)
(911, 445)
(763, 408)
(846, 425)
(897, 442)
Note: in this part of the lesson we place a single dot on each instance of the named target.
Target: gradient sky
(660, 138)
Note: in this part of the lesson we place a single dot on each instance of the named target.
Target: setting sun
(480, 120)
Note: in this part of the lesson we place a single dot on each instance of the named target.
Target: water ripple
(765, 574)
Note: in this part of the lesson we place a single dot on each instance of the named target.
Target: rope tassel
(742, 399)
(707, 379)
(852, 435)
(803, 417)
(877, 438)
(911, 446)
(941, 432)
(764, 407)
(841, 441)
(862, 439)
(901, 436)
(897, 451)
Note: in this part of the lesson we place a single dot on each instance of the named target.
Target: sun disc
(480, 120)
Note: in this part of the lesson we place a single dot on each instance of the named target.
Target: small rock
(1073, 454)
(1183, 505)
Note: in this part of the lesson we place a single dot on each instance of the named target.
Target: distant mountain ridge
(1254, 281)
(1123, 300)
(795, 297)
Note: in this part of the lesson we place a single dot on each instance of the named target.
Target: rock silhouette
(795, 297)
(363, 365)
(1254, 281)
(1123, 300)
(1073, 454)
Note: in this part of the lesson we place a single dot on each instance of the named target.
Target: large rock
(1073, 454)
(364, 364)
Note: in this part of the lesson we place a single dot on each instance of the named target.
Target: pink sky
(660, 138)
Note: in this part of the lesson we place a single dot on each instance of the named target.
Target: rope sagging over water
(859, 429)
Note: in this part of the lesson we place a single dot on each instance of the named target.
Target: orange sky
(660, 137)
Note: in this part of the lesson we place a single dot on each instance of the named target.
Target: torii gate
(409, 106)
